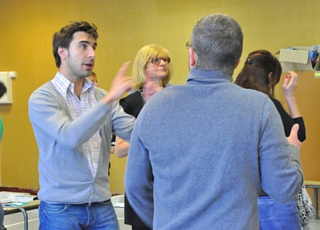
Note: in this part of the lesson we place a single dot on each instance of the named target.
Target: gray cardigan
(65, 176)
(210, 145)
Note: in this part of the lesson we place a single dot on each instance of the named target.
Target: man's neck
(78, 85)
(77, 81)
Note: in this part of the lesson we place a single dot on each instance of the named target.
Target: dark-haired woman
(262, 72)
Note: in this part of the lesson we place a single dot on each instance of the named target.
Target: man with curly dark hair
(72, 122)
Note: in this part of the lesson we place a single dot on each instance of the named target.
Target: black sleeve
(288, 122)
(302, 128)
(132, 104)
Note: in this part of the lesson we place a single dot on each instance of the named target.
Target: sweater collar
(198, 76)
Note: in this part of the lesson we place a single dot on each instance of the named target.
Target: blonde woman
(151, 72)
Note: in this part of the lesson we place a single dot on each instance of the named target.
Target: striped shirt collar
(63, 85)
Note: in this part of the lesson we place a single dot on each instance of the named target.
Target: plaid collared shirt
(77, 107)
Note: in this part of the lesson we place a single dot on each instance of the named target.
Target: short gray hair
(217, 40)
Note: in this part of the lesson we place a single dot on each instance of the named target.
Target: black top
(132, 104)
(288, 122)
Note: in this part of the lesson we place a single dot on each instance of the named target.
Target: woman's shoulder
(132, 104)
(276, 102)
(133, 97)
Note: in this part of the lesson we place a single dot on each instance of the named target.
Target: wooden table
(8, 209)
(315, 185)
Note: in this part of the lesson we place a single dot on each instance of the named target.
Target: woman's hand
(150, 88)
(290, 84)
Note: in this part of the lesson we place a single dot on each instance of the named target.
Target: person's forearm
(289, 86)
(293, 107)
(121, 148)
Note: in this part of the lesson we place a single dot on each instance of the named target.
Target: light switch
(6, 79)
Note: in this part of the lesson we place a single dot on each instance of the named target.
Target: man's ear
(192, 58)
(63, 53)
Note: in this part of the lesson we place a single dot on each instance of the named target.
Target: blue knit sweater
(64, 171)
(210, 146)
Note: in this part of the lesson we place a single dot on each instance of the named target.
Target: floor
(16, 221)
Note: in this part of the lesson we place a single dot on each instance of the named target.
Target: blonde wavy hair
(139, 66)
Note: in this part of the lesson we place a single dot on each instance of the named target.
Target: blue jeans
(97, 216)
(278, 216)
